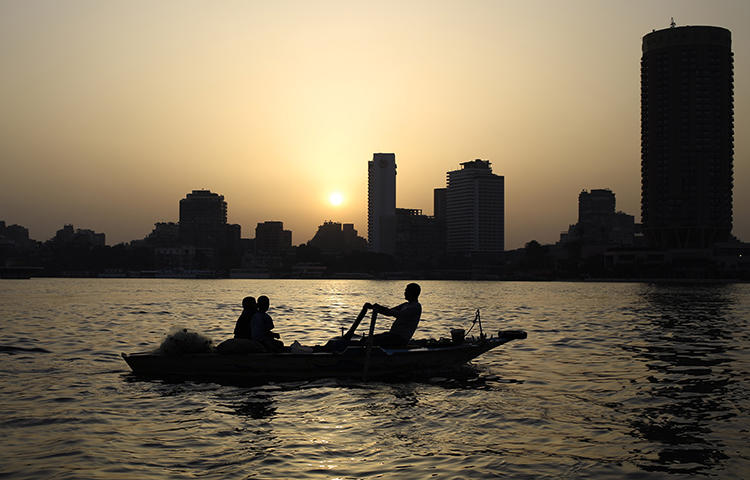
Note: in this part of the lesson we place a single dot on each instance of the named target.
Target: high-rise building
(270, 237)
(687, 136)
(599, 202)
(439, 213)
(475, 209)
(381, 202)
(203, 219)
(417, 237)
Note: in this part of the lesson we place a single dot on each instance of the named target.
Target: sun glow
(336, 199)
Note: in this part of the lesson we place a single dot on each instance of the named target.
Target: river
(615, 380)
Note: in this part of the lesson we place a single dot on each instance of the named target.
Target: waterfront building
(599, 223)
(687, 136)
(81, 236)
(417, 237)
(599, 226)
(381, 202)
(164, 234)
(333, 237)
(203, 219)
(474, 209)
(271, 238)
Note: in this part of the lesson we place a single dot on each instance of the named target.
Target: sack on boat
(182, 340)
(239, 345)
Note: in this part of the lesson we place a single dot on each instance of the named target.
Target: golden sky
(112, 111)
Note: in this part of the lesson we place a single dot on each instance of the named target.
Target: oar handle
(348, 336)
(369, 345)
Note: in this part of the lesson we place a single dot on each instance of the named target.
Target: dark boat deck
(423, 358)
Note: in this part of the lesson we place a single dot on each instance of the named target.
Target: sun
(336, 199)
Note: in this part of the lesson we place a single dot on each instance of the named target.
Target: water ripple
(614, 381)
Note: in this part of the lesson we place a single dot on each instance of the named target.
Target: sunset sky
(112, 111)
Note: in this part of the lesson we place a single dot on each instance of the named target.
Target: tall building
(593, 205)
(270, 237)
(417, 237)
(381, 202)
(475, 209)
(203, 219)
(439, 213)
(687, 136)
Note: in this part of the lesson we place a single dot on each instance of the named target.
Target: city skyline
(118, 109)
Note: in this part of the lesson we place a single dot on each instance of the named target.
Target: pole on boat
(479, 320)
(369, 345)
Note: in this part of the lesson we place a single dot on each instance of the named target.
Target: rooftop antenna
(672, 24)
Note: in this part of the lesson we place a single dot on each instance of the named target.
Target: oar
(369, 345)
(340, 345)
(348, 336)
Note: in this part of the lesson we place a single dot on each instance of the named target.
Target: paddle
(348, 336)
(339, 344)
(369, 345)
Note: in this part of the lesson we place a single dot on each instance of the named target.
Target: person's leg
(387, 339)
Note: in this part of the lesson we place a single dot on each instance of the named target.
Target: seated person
(407, 319)
(261, 325)
(242, 327)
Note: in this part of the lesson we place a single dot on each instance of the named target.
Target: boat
(355, 360)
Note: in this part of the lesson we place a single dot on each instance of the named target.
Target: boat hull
(354, 361)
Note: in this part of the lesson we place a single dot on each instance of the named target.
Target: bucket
(457, 335)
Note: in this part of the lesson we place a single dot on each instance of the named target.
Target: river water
(615, 380)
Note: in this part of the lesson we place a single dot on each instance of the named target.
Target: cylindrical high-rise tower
(687, 136)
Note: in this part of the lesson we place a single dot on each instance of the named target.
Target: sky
(113, 111)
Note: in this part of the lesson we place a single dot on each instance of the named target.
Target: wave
(12, 349)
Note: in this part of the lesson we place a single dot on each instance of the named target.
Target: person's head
(248, 303)
(263, 303)
(412, 292)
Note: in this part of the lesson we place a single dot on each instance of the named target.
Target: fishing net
(182, 340)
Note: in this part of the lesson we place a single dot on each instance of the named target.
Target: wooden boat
(357, 360)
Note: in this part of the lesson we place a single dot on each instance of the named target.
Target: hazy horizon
(114, 111)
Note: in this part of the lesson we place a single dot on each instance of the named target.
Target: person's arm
(270, 326)
(391, 312)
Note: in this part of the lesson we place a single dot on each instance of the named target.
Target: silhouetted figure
(261, 326)
(407, 318)
(242, 327)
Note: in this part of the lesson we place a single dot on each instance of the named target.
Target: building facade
(80, 236)
(271, 238)
(203, 219)
(417, 237)
(687, 136)
(475, 210)
(381, 202)
(333, 237)
(599, 225)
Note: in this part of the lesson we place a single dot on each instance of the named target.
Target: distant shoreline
(479, 278)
